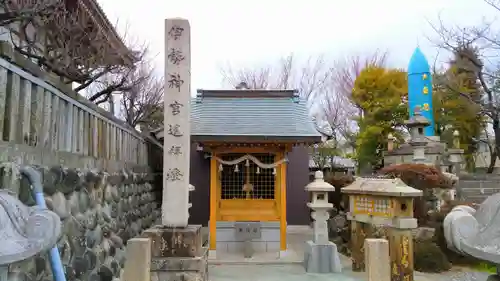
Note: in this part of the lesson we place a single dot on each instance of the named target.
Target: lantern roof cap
(417, 119)
(381, 187)
(319, 184)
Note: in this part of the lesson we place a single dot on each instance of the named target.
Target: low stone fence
(96, 170)
(477, 187)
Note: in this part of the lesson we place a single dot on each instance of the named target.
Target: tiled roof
(276, 115)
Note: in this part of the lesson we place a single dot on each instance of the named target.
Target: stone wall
(101, 203)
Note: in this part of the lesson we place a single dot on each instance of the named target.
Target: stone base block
(175, 242)
(212, 254)
(180, 268)
(321, 258)
(257, 247)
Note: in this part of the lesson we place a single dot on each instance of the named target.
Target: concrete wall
(297, 179)
(228, 242)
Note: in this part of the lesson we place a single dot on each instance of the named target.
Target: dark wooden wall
(297, 179)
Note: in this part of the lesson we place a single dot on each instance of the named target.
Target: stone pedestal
(177, 254)
(321, 258)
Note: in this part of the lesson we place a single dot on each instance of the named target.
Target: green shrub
(486, 267)
(428, 257)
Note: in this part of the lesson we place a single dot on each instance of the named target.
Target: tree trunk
(493, 160)
(494, 154)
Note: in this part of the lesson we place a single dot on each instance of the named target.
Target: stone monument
(418, 140)
(25, 231)
(176, 247)
(320, 255)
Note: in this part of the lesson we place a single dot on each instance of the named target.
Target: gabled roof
(250, 116)
(278, 115)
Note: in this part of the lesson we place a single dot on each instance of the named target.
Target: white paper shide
(175, 205)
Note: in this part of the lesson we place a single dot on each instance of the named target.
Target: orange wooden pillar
(213, 203)
(283, 224)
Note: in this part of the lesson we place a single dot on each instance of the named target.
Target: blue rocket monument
(420, 88)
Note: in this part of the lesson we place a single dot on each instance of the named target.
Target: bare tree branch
(287, 73)
(142, 103)
(62, 37)
(483, 39)
(334, 100)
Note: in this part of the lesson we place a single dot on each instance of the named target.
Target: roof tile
(251, 116)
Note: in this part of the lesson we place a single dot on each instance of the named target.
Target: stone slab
(180, 269)
(178, 264)
(321, 258)
(178, 276)
(175, 242)
(238, 247)
(270, 231)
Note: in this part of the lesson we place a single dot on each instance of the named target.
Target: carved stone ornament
(25, 231)
(475, 233)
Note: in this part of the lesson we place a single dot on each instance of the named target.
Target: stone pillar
(138, 262)
(455, 157)
(177, 141)
(320, 255)
(417, 125)
(377, 260)
(390, 142)
(401, 253)
(176, 247)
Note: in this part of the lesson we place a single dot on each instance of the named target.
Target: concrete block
(221, 247)
(138, 262)
(273, 246)
(234, 247)
(321, 258)
(377, 259)
(259, 246)
(271, 234)
(225, 232)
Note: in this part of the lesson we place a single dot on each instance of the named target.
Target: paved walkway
(285, 272)
(270, 268)
(292, 272)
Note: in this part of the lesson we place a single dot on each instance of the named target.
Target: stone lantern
(455, 153)
(388, 203)
(390, 142)
(418, 140)
(455, 159)
(320, 255)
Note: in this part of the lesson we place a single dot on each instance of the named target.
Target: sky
(247, 33)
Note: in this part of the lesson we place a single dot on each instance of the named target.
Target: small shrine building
(249, 163)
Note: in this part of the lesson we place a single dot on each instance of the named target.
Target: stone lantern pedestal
(320, 255)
